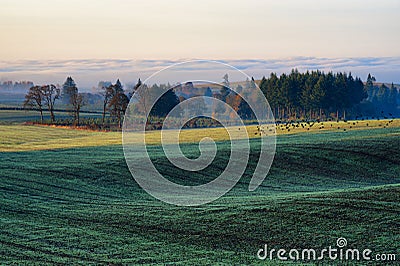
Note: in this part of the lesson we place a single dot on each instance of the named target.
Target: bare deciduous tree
(34, 100)
(77, 101)
(50, 94)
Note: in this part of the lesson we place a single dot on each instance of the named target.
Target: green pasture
(80, 205)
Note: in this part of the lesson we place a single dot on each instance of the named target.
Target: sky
(55, 32)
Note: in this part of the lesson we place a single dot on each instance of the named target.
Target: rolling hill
(81, 206)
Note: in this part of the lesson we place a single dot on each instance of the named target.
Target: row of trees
(305, 94)
(43, 98)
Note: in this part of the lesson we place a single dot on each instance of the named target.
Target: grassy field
(19, 116)
(79, 204)
(25, 138)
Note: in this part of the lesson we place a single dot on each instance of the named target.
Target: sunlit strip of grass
(26, 138)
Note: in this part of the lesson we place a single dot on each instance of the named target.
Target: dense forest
(296, 96)
(313, 94)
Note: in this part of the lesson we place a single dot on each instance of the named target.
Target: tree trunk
(41, 116)
(119, 120)
(51, 112)
(104, 112)
(52, 117)
(279, 113)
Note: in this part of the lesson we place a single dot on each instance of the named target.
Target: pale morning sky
(209, 29)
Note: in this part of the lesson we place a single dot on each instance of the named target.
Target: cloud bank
(87, 73)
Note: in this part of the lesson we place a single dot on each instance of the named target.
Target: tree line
(42, 98)
(312, 94)
(309, 95)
